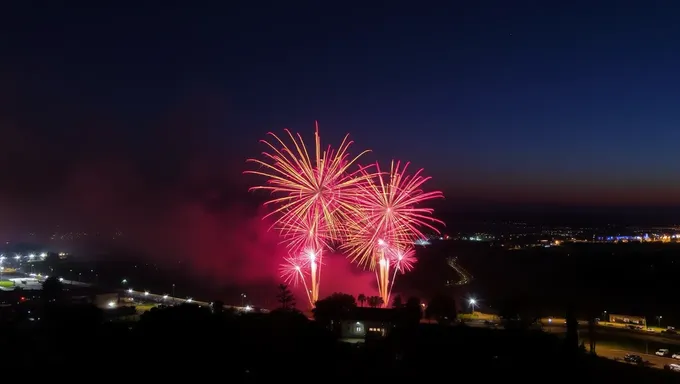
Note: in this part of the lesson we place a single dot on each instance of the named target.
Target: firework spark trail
(388, 218)
(292, 273)
(313, 194)
(403, 262)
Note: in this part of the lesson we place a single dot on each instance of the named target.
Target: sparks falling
(313, 200)
(387, 220)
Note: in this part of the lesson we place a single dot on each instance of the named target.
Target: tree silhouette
(571, 339)
(218, 307)
(375, 301)
(335, 307)
(51, 260)
(414, 309)
(592, 334)
(442, 308)
(52, 289)
(413, 303)
(285, 298)
(397, 302)
(362, 299)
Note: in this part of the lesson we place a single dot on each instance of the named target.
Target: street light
(243, 298)
(658, 320)
(473, 303)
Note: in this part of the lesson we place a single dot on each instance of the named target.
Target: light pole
(243, 298)
(658, 320)
(473, 303)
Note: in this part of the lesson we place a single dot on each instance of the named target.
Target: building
(628, 319)
(366, 323)
(100, 298)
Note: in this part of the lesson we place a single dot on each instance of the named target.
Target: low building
(100, 298)
(366, 323)
(628, 319)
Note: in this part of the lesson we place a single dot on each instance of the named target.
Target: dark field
(638, 279)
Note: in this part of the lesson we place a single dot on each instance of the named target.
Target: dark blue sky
(535, 101)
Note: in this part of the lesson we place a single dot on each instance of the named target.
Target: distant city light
(422, 242)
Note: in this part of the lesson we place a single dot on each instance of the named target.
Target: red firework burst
(389, 213)
(403, 261)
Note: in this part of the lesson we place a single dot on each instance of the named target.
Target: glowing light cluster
(389, 219)
(324, 199)
(313, 199)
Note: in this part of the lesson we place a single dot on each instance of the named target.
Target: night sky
(134, 117)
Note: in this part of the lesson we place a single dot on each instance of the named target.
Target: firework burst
(312, 195)
(403, 261)
(387, 220)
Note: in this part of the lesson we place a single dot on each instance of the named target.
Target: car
(635, 359)
(676, 356)
(672, 367)
(663, 352)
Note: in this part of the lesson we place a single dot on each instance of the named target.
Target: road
(34, 282)
(27, 283)
(653, 361)
(651, 337)
(166, 299)
(147, 296)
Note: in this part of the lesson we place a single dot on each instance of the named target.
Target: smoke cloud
(175, 194)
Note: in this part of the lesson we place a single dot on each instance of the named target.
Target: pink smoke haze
(184, 203)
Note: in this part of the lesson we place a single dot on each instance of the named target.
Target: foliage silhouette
(218, 307)
(361, 299)
(571, 339)
(442, 308)
(285, 298)
(336, 306)
(253, 347)
(375, 301)
(397, 302)
(52, 290)
(592, 335)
